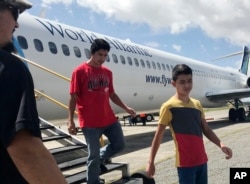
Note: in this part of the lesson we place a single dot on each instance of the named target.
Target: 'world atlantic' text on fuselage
(89, 37)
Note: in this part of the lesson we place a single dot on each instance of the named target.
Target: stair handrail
(42, 67)
(49, 71)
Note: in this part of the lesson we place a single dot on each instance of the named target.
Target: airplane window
(65, 49)
(122, 59)
(136, 62)
(108, 58)
(148, 64)
(159, 66)
(22, 42)
(87, 53)
(77, 52)
(142, 63)
(172, 67)
(130, 61)
(153, 64)
(115, 58)
(163, 66)
(38, 45)
(168, 67)
(52, 47)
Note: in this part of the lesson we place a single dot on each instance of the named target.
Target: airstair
(71, 153)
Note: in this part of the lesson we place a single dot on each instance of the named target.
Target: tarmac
(235, 135)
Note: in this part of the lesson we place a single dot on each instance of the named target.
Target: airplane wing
(226, 95)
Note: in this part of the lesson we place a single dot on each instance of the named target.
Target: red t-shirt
(93, 87)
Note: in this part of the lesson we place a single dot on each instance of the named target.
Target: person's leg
(202, 177)
(92, 136)
(144, 121)
(186, 175)
(116, 141)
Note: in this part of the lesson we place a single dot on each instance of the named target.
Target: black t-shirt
(17, 111)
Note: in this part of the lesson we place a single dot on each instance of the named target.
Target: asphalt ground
(235, 135)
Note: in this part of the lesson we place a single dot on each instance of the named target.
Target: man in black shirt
(23, 157)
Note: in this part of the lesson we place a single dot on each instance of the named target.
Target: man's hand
(72, 128)
(131, 111)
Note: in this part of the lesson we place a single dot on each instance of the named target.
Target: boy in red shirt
(90, 90)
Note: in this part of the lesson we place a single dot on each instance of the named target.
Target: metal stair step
(76, 178)
(71, 155)
(44, 127)
(72, 163)
(66, 149)
(55, 137)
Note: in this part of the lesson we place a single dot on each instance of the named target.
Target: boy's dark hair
(180, 69)
(99, 44)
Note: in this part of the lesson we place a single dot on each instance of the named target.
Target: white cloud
(152, 44)
(226, 19)
(66, 2)
(177, 47)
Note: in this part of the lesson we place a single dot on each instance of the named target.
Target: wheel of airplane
(241, 114)
(232, 115)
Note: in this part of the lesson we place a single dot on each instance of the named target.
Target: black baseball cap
(21, 5)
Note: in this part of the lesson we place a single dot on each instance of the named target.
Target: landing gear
(232, 115)
(237, 113)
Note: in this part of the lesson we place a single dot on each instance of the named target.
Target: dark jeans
(97, 155)
(193, 175)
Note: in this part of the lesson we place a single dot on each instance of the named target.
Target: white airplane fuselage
(143, 87)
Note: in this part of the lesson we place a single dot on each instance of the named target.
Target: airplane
(142, 75)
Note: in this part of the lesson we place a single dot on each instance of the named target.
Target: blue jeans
(97, 155)
(193, 175)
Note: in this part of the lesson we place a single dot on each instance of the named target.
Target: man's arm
(116, 100)
(72, 105)
(208, 132)
(33, 160)
(154, 148)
